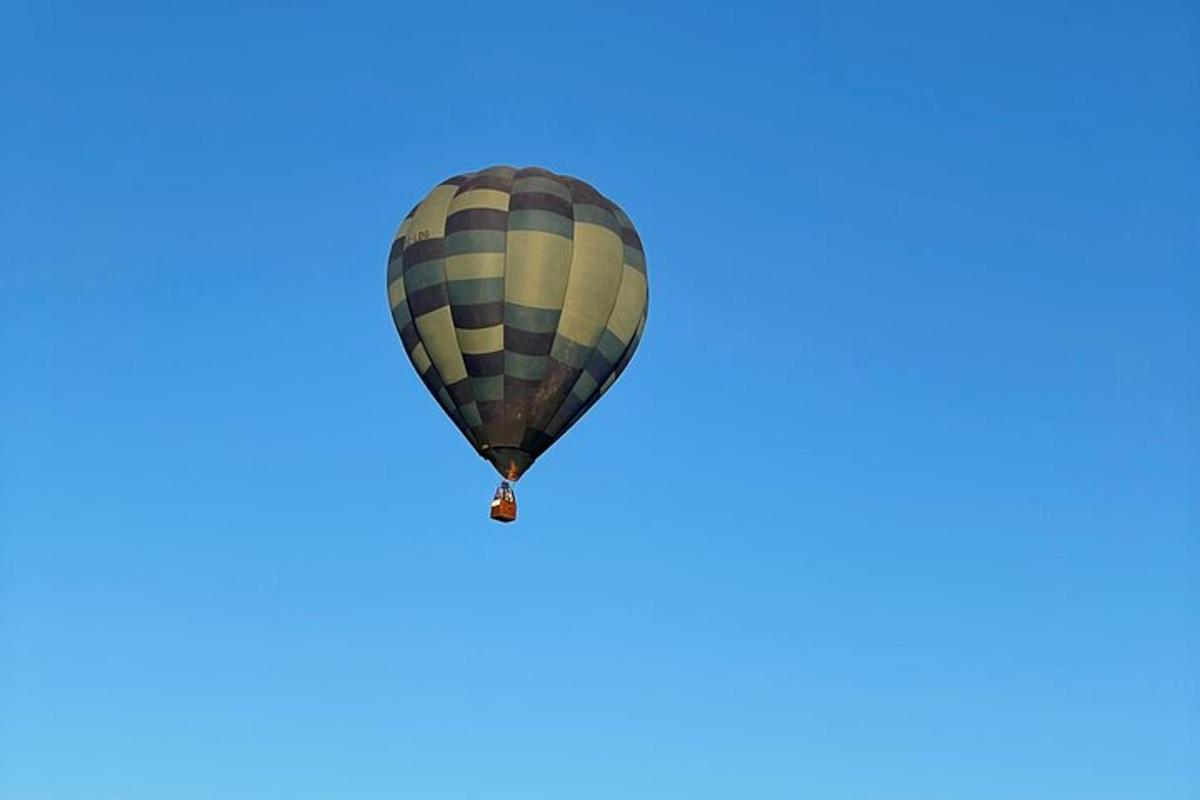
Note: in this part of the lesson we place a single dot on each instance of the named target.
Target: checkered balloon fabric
(520, 296)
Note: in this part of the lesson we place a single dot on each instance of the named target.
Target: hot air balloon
(520, 296)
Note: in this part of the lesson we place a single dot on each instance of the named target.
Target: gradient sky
(924, 527)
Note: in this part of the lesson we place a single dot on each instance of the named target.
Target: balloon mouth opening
(509, 461)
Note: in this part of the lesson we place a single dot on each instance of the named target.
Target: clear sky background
(897, 501)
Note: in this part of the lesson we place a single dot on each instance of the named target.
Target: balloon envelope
(520, 296)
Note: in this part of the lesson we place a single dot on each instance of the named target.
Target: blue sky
(926, 527)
